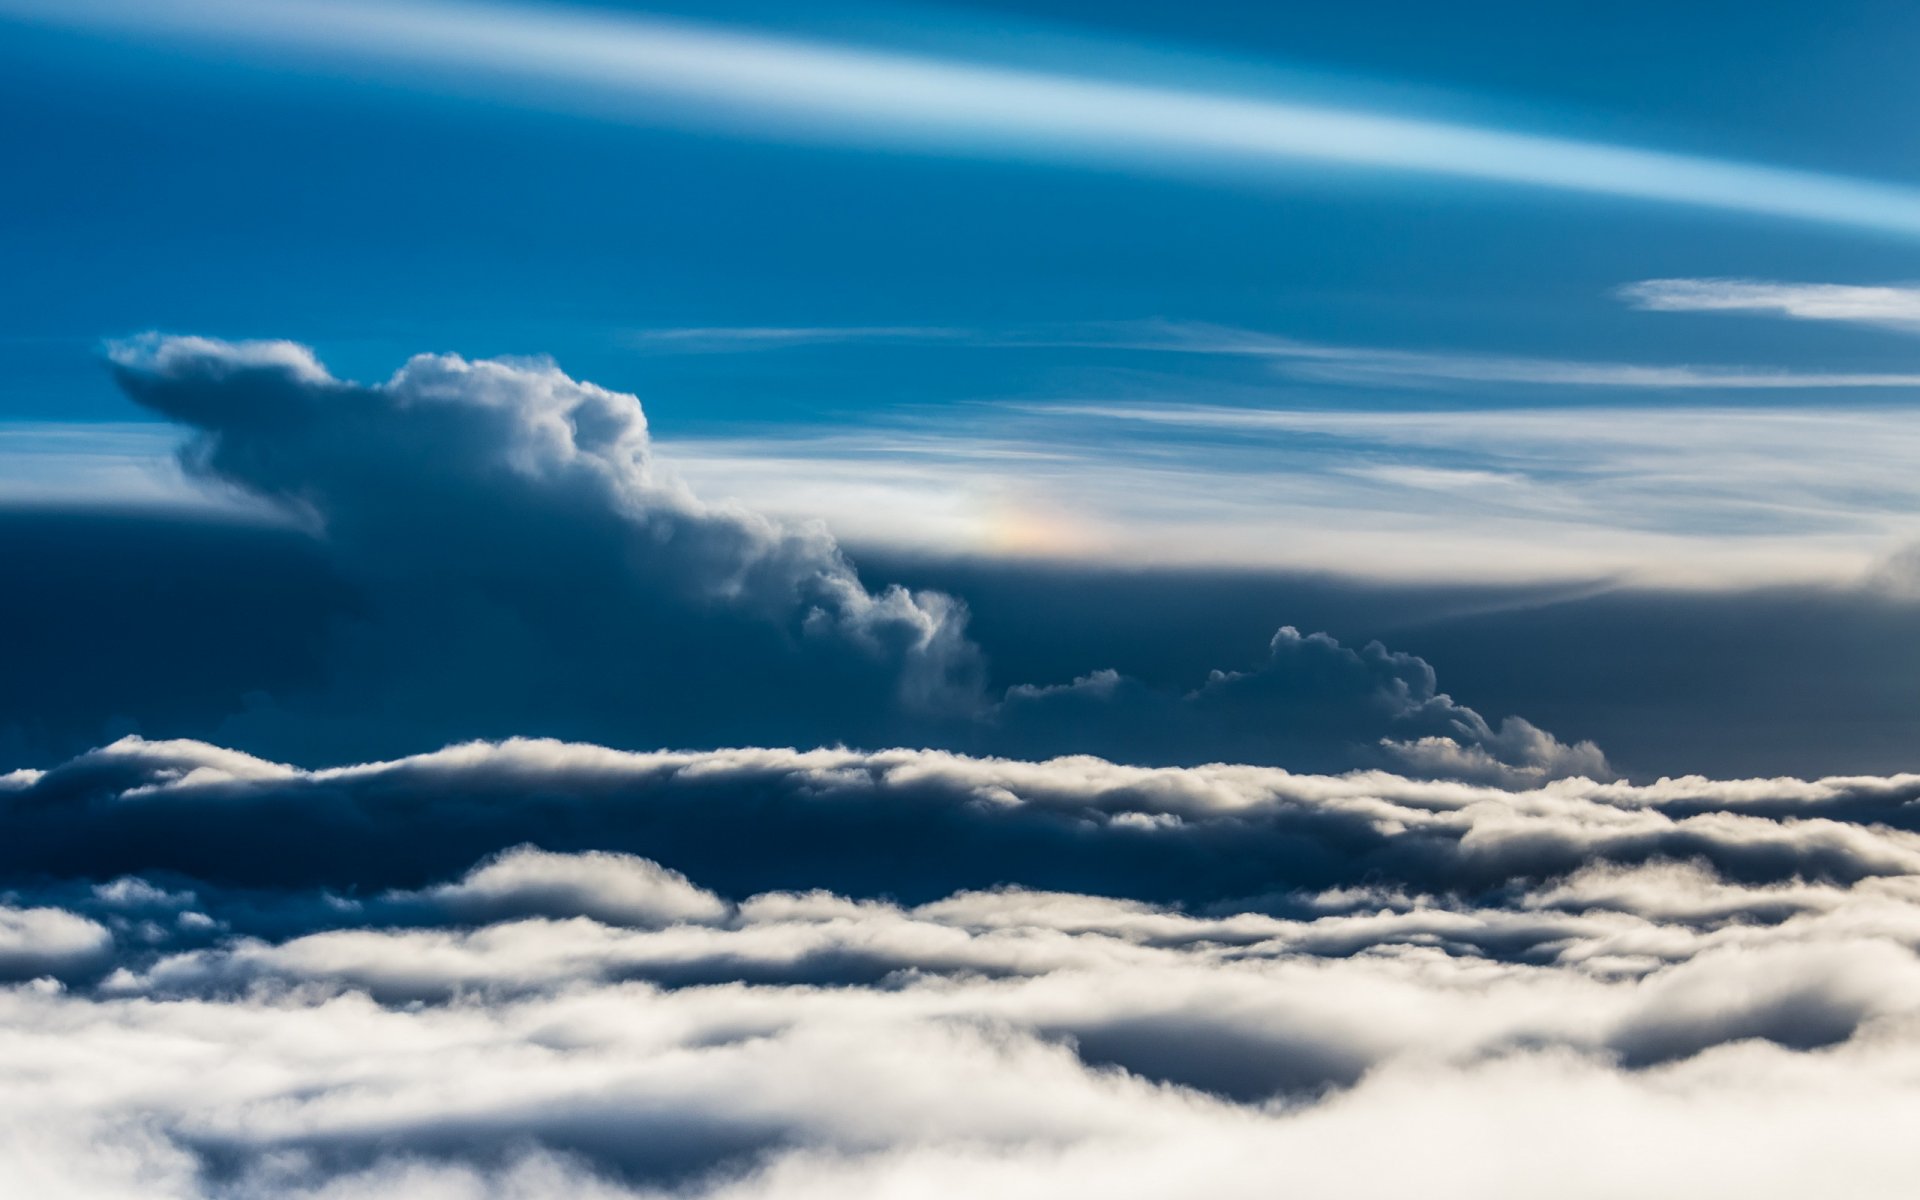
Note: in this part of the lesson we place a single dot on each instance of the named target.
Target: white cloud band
(654, 69)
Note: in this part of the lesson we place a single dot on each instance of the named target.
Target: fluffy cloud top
(513, 487)
(1503, 986)
(911, 824)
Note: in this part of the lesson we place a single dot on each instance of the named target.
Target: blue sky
(1028, 598)
(1006, 249)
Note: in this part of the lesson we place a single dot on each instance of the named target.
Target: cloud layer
(1496, 983)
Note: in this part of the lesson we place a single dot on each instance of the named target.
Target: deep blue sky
(162, 186)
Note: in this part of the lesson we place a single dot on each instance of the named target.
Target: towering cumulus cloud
(537, 970)
(510, 525)
(498, 551)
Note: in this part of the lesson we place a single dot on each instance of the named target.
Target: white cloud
(1385, 365)
(1892, 307)
(649, 69)
(1699, 496)
(1026, 1043)
(736, 338)
(619, 889)
(47, 941)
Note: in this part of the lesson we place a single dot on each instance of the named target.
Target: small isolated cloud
(615, 889)
(1891, 307)
(1313, 704)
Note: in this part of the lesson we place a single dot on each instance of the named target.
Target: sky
(1002, 598)
(922, 241)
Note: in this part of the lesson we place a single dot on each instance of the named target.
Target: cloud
(487, 510)
(485, 549)
(736, 338)
(1688, 965)
(1692, 495)
(652, 70)
(1381, 365)
(1711, 496)
(909, 824)
(617, 889)
(48, 941)
(94, 462)
(1889, 307)
(1303, 707)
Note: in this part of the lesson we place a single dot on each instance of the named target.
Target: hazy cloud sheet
(1697, 495)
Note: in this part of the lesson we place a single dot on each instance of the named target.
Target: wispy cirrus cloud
(717, 339)
(1376, 364)
(1893, 307)
(1322, 361)
(1673, 495)
(629, 67)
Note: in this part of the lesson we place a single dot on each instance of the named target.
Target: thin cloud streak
(1363, 364)
(715, 339)
(772, 84)
(1321, 361)
(1890, 307)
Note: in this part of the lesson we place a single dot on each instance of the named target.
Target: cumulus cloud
(617, 889)
(49, 941)
(489, 507)
(1496, 982)
(493, 549)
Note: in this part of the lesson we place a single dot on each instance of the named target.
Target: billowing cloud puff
(508, 526)
(1503, 985)
(1306, 706)
(494, 549)
(49, 941)
(616, 889)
